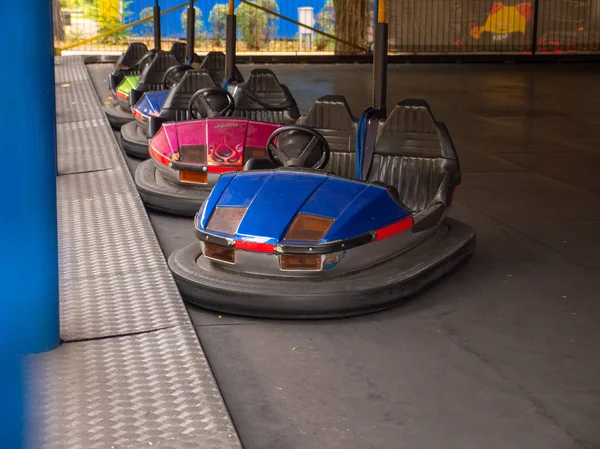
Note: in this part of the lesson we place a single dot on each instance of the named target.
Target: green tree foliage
(254, 25)
(325, 21)
(218, 21)
(111, 14)
(198, 24)
(147, 27)
(272, 20)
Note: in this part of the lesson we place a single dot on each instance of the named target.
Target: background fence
(416, 26)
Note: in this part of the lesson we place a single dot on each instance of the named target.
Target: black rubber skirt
(211, 286)
(134, 140)
(163, 195)
(117, 114)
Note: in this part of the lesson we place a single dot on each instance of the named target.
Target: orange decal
(496, 7)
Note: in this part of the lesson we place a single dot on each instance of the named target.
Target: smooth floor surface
(504, 353)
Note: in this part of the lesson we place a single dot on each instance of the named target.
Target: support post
(230, 42)
(536, 11)
(380, 67)
(29, 320)
(375, 21)
(157, 31)
(191, 31)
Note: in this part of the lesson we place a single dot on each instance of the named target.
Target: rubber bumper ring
(134, 140)
(387, 284)
(160, 194)
(117, 116)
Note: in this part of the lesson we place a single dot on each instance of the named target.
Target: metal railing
(317, 27)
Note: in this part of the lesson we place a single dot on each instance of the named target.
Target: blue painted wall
(171, 23)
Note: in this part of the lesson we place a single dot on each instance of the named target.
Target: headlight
(301, 262)
(226, 220)
(308, 228)
(221, 253)
(194, 177)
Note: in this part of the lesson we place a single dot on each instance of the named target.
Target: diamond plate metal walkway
(131, 372)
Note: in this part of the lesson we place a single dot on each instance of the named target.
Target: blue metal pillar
(29, 320)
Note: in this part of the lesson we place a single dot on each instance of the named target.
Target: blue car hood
(273, 199)
(151, 103)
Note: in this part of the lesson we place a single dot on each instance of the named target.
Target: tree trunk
(59, 27)
(351, 17)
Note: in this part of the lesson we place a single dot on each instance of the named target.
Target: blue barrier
(28, 229)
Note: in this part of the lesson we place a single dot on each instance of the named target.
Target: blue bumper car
(318, 230)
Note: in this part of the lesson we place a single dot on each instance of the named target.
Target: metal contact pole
(535, 26)
(191, 30)
(157, 32)
(230, 42)
(380, 60)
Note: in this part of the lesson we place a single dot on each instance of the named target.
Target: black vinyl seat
(259, 163)
(127, 65)
(128, 62)
(214, 63)
(331, 116)
(263, 98)
(175, 107)
(152, 76)
(178, 49)
(135, 51)
(415, 154)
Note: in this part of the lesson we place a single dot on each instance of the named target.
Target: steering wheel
(213, 102)
(305, 148)
(146, 59)
(174, 74)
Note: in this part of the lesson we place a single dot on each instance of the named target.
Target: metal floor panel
(131, 372)
(139, 391)
(77, 101)
(86, 146)
(68, 69)
(113, 276)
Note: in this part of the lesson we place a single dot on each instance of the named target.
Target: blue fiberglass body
(151, 103)
(274, 198)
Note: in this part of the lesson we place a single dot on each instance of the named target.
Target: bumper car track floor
(502, 353)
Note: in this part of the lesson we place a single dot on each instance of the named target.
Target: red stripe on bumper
(394, 229)
(223, 168)
(158, 156)
(255, 247)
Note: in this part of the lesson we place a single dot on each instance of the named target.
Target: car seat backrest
(263, 98)
(152, 76)
(135, 51)
(410, 130)
(331, 116)
(178, 49)
(266, 87)
(176, 104)
(411, 155)
(214, 63)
